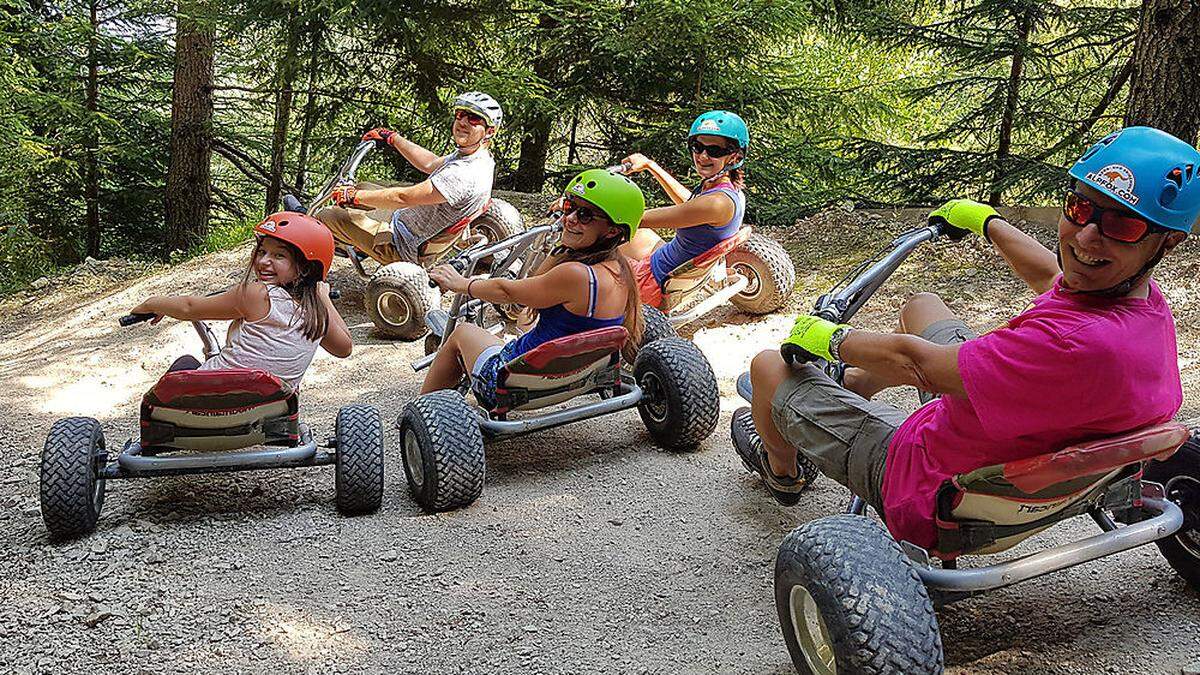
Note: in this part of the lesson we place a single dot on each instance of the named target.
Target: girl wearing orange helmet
(281, 314)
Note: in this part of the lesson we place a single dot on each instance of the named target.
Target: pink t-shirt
(1072, 368)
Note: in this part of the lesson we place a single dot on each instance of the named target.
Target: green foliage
(878, 102)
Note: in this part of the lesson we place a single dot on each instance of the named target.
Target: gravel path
(590, 551)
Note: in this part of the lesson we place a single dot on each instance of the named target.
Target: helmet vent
(591, 184)
(1168, 195)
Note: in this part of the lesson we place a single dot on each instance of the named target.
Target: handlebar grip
(947, 230)
(622, 168)
(130, 319)
(334, 294)
(793, 355)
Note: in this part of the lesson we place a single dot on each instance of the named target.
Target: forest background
(137, 128)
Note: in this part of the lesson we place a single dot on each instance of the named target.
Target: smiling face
(274, 262)
(468, 129)
(707, 166)
(578, 235)
(1091, 261)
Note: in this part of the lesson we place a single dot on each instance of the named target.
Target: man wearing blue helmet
(1094, 355)
(702, 218)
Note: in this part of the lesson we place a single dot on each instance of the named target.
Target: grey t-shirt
(466, 183)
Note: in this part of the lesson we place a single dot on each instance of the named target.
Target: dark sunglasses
(714, 151)
(472, 118)
(1112, 223)
(582, 213)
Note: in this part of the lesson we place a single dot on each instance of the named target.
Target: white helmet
(481, 104)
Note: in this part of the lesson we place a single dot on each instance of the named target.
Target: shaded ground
(591, 550)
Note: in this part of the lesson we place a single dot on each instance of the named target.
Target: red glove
(380, 134)
(345, 195)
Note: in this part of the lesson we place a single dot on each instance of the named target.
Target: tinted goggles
(1115, 224)
(583, 213)
(714, 151)
(472, 118)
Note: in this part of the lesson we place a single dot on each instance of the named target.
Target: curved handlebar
(130, 319)
(622, 168)
(345, 174)
(947, 230)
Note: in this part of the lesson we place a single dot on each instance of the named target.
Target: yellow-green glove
(965, 214)
(810, 337)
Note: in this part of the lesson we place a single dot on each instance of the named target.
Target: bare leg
(464, 346)
(644, 242)
(767, 371)
(920, 312)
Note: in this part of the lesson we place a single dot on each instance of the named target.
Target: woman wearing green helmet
(703, 217)
(584, 285)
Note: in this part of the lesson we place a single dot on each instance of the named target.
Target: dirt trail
(590, 551)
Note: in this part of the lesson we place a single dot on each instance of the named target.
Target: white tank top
(274, 343)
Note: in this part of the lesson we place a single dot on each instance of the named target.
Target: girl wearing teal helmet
(703, 217)
(586, 284)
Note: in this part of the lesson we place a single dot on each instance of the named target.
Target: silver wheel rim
(811, 633)
(412, 458)
(393, 308)
(754, 287)
(656, 397)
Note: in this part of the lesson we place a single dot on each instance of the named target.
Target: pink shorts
(648, 288)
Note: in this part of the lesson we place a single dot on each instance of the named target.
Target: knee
(767, 368)
(921, 306)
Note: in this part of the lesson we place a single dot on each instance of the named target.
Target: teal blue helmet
(722, 123)
(1149, 172)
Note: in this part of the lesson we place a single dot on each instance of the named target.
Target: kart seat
(219, 410)
(435, 248)
(561, 369)
(996, 507)
(683, 281)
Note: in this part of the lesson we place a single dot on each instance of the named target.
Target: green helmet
(618, 197)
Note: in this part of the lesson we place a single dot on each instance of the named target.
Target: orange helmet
(304, 232)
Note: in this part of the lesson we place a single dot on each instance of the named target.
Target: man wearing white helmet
(390, 223)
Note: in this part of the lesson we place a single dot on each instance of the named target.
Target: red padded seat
(219, 409)
(561, 369)
(686, 280)
(993, 508)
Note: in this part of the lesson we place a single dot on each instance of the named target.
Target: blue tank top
(557, 321)
(690, 242)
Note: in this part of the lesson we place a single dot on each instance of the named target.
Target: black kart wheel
(397, 298)
(849, 601)
(655, 325)
(681, 402)
(358, 464)
(72, 493)
(443, 451)
(1180, 475)
(770, 271)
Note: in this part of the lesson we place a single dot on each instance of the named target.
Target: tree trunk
(285, 78)
(91, 188)
(535, 144)
(188, 190)
(1166, 69)
(1012, 96)
(310, 112)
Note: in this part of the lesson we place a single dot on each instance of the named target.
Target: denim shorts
(485, 371)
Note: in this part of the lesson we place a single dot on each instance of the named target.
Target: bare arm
(422, 159)
(421, 194)
(1035, 264)
(565, 283)
(707, 210)
(905, 359)
(244, 301)
(674, 189)
(337, 340)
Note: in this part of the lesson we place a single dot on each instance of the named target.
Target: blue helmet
(1148, 171)
(722, 123)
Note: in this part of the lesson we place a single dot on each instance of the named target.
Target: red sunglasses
(472, 118)
(1113, 223)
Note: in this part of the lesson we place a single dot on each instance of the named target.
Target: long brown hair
(605, 250)
(314, 320)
